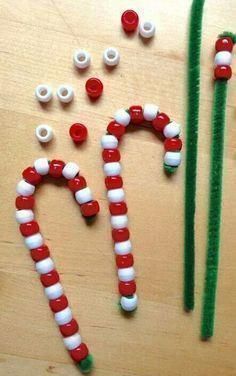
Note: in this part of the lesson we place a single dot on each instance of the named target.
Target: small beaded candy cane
(39, 252)
(118, 209)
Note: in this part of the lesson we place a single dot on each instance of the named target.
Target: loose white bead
(112, 168)
(72, 342)
(43, 93)
(25, 189)
(150, 112)
(122, 117)
(119, 221)
(63, 317)
(129, 303)
(70, 170)
(44, 266)
(109, 142)
(41, 165)
(111, 56)
(65, 93)
(116, 195)
(171, 130)
(54, 291)
(172, 158)
(147, 29)
(223, 58)
(44, 133)
(123, 248)
(34, 241)
(126, 274)
(24, 216)
(83, 195)
(81, 59)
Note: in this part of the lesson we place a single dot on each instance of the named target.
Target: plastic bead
(223, 72)
(25, 189)
(160, 122)
(113, 182)
(65, 93)
(29, 228)
(112, 168)
(42, 166)
(223, 58)
(147, 29)
(54, 291)
(116, 195)
(81, 59)
(58, 304)
(40, 253)
(224, 44)
(109, 142)
(127, 288)
(129, 303)
(119, 221)
(124, 261)
(171, 130)
(34, 241)
(172, 159)
(118, 208)
(24, 216)
(50, 278)
(116, 129)
(32, 176)
(126, 274)
(24, 202)
(69, 329)
(77, 183)
(90, 209)
(44, 266)
(83, 195)
(150, 112)
(56, 168)
(173, 144)
(64, 316)
(43, 93)
(122, 248)
(111, 155)
(136, 114)
(44, 133)
(120, 235)
(111, 56)
(79, 353)
(72, 342)
(129, 20)
(78, 132)
(122, 117)
(94, 87)
(70, 170)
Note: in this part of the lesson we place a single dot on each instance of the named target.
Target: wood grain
(36, 46)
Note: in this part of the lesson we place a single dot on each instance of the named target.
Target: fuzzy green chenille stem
(194, 49)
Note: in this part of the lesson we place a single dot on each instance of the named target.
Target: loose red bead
(69, 329)
(224, 44)
(29, 228)
(136, 114)
(114, 182)
(223, 72)
(40, 253)
(116, 129)
(50, 278)
(127, 288)
(173, 144)
(124, 261)
(78, 132)
(120, 235)
(111, 155)
(94, 87)
(55, 168)
(77, 183)
(160, 122)
(80, 353)
(31, 176)
(129, 20)
(25, 202)
(58, 304)
(89, 209)
(118, 208)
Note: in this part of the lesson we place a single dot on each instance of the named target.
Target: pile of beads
(160, 122)
(223, 58)
(39, 252)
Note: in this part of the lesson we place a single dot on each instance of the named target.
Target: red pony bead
(24, 202)
(160, 122)
(120, 235)
(78, 132)
(224, 44)
(94, 87)
(31, 176)
(50, 278)
(173, 144)
(124, 261)
(113, 182)
(89, 209)
(58, 304)
(29, 228)
(127, 288)
(136, 114)
(129, 20)
(40, 253)
(118, 208)
(77, 183)
(116, 129)
(69, 329)
(223, 72)
(55, 168)
(111, 155)
(80, 353)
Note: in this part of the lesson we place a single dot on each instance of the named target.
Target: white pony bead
(172, 158)
(44, 266)
(43, 93)
(122, 117)
(81, 59)
(109, 142)
(112, 168)
(223, 58)
(123, 248)
(70, 170)
(25, 189)
(116, 195)
(64, 316)
(171, 130)
(129, 303)
(24, 216)
(72, 342)
(150, 112)
(111, 56)
(119, 221)
(34, 241)
(126, 274)
(65, 93)
(44, 133)
(83, 195)
(41, 165)
(147, 29)
(54, 291)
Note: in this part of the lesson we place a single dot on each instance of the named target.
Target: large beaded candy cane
(136, 115)
(39, 252)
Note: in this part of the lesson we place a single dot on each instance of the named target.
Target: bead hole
(147, 26)
(43, 91)
(64, 92)
(81, 58)
(43, 132)
(111, 55)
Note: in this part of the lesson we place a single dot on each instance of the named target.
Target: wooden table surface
(37, 40)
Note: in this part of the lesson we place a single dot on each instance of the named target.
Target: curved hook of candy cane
(39, 252)
(136, 115)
